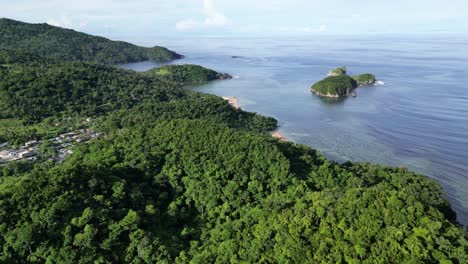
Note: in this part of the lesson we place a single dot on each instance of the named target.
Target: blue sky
(244, 17)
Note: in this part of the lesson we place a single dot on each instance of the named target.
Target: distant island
(69, 45)
(189, 73)
(335, 86)
(339, 84)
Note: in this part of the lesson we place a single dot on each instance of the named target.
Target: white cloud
(66, 22)
(321, 28)
(213, 18)
(187, 24)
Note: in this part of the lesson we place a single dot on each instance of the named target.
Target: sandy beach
(278, 135)
(233, 101)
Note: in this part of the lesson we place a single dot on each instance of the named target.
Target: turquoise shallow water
(417, 119)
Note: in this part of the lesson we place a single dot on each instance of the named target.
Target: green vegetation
(65, 44)
(339, 84)
(33, 92)
(17, 131)
(189, 74)
(183, 177)
(364, 79)
(195, 191)
(334, 86)
(338, 71)
(9, 56)
(48, 93)
(6, 182)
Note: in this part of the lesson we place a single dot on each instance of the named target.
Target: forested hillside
(182, 177)
(66, 44)
(195, 191)
(15, 56)
(35, 91)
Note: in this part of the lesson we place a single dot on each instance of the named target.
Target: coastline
(328, 95)
(276, 134)
(234, 102)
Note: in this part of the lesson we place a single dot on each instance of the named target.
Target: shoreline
(335, 96)
(234, 102)
(278, 135)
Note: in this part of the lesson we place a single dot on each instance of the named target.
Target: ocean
(416, 118)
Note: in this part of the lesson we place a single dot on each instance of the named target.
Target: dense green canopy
(42, 93)
(195, 191)
(14, 56)
(334, 86)
(183, 177)
(66, 44)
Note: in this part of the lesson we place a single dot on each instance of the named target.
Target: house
(26, 154)
(31, 143)
(57, 139)
(4, 154)
(67, 135)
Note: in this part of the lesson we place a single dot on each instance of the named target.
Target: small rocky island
(335, 86)
(339, 84)
(365, 79)
(189, 73)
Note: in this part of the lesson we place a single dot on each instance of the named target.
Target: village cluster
(61, 144)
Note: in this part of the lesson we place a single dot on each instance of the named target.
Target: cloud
(66, 22)
(185, 25)
(213, 18)
(321, 28)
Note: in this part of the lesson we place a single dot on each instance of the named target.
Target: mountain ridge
(70, 45)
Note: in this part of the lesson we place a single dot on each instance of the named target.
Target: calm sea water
(417, 119)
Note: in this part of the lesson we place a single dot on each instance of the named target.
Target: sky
(179, 18)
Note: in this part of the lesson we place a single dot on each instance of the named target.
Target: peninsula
(189, 73)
